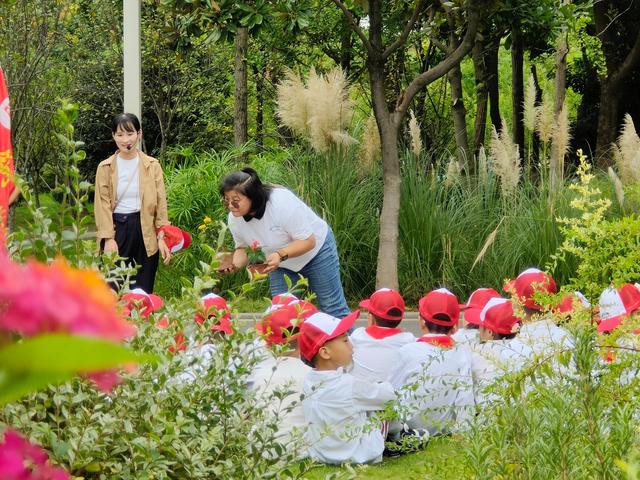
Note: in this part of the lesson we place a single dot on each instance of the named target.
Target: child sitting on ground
(336, 403)
(471, 315)
(279, 378)
(434, 374)
(542, 335)
(375, 347)
(500, 351)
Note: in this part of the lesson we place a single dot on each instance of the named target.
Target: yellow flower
(202, 227)
(207, 220)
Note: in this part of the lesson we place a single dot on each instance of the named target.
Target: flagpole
(131, 57)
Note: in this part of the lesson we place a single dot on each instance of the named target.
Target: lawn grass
(442, 459)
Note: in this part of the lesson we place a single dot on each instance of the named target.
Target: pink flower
(36, 298)
(22, 460)
(255, 245)
(105, 380)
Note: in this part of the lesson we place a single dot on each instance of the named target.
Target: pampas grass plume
(617, 185)
(530, 105)
(627, 153)
(545, 120)
(370, 151)
(414, 130)
(452, 176)
(506, 159)
(483, 172)
(292, 104)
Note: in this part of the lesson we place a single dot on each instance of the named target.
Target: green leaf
(61, 354)
(14, 386)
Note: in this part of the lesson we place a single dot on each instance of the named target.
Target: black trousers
(131, 247)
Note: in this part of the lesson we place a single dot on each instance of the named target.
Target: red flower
(22, 460)
(179, 344)
(255, 245)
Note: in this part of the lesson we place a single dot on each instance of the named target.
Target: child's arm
(372, 395)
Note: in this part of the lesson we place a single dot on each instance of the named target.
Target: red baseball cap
(280, 301)
(382, 301)
(566, 304)
(477, 300)
(440, 301)
(277, 325)
(319, 328)
(615, 304)
(529, 282)
(497, 315)
(175, 238)
(145, 303)
(214, 306)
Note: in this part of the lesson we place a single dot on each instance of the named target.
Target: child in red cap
(336, 403)
(281, 374)
(500, 351)
(541, 334)
(441, 371)
(375, 347)
(471, 315)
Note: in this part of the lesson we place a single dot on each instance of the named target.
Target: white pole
(131, 60)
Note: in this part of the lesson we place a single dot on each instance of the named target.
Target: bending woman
(294, 239)
(130, 203)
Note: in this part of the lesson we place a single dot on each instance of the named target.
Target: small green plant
(255, 255)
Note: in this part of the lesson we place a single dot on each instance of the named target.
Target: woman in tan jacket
(131, 204)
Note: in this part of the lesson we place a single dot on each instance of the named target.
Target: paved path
(410, 322)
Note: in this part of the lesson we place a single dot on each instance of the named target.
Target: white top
(286, 218)
(466, 335)
(375, 357)
(278, 382)
(443, 397)
(128, 198)
(494, 359)
(545, 337)
(335, 406)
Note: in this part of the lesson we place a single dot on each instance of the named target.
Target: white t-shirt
(545, 337)
(286, 218)
(443, 398)
(466, 335)
(285, 376)
(336, 406)
(375, 351)
(128, 198)
(494, 359)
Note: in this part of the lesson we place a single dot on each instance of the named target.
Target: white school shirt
(286, 218)
(494, 359)
(466, 335)
(375, 351)
(545, 337)
(285, 376)
(336, 406)
(444, 398)
(128, 198)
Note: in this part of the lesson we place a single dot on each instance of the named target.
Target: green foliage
(569, 422)
(605, 250)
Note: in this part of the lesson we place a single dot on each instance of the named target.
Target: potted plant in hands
(256, 257)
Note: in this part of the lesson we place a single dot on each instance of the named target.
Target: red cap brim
(610, 324)
(364, 304)
(345, 324)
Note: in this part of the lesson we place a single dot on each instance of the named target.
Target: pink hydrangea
(22, 460)
(36, 298)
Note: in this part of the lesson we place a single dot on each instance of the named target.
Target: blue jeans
(323, 274)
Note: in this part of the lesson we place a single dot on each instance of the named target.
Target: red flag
(6, 158)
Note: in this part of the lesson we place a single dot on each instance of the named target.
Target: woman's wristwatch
(283, 257)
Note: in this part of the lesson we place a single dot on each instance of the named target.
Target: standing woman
(130, 203)
(294, 239)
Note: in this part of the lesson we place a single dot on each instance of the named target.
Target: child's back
(336, 406)
(375, 348)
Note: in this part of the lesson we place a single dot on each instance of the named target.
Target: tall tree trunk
(556, 161)
(517, 88)
(493, 82)
(259, 75)
(608, 120)
(459, 114)
(346, 47)
(482, 96)
(240, 87)
(535, 144)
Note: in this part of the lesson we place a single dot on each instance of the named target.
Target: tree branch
(631, 60)
(407, 30)
(425, 78)
(354, 25)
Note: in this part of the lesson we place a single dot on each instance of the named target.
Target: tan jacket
(153, 199)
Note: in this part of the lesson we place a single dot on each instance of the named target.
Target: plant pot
(257, 268)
